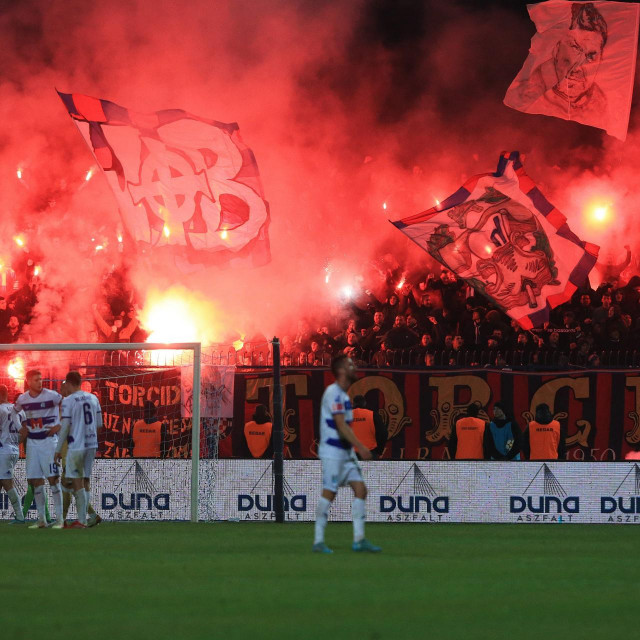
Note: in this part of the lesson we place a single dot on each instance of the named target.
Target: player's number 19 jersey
(82, 411)
(335, 401)
(42, 413)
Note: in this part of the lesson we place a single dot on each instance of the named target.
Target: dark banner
(599, 409)
(123, 394)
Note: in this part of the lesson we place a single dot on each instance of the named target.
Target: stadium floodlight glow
(19, 364)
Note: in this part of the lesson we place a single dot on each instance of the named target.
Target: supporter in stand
(302, 340)
(13, 330)
(401, 337)
(5, 314)
(451, 290)
(426, 346)
(601, 313)
(382, 357)
(476, 333)
(122, 327)
(315, 353)
(342, 339)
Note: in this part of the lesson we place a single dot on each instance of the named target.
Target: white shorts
(40, 459)
(79, 463)
(7, 463)
(340, 473)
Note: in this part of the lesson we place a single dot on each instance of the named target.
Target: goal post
(193, 348)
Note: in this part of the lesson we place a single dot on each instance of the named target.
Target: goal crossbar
(196, 347)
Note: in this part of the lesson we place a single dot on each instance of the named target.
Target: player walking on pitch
(10, 423)
(42, 410)
(68, 492)
(339, 464)
(81, 420)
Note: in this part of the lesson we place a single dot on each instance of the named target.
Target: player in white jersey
(81, 420)
(10, 423)
(336, 451)
(42, 410)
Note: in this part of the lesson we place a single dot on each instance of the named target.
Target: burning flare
(179, 315)
(15, 369)
(597, 213)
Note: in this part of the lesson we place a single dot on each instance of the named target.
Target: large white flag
(581, 64)
(504, 238)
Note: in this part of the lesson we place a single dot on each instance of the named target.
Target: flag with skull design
(502, 236)
(185, 186)
(581, 64)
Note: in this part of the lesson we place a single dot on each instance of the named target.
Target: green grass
(259, 580)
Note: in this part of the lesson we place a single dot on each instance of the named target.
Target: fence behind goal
(148, 465)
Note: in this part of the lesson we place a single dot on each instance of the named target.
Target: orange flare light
(19, 241)
(15, 369)
(179, 315)
(166, 231)
(597, 213)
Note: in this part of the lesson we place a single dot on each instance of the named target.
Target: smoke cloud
(347, 106)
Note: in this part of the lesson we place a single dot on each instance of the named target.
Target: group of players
(50, 423)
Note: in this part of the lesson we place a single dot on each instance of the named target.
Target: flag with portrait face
(581, 64)
(504, 238)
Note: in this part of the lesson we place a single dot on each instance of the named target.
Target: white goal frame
(195, 347)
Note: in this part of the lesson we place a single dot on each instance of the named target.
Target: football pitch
(260, 580)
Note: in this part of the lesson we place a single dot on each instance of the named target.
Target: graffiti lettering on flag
(581, 64)
(186, 186)
(501, 235)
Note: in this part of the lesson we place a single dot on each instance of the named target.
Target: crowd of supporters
(423, 319)
(436, 320)
(115, 314)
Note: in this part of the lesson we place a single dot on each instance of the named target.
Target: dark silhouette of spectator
(401, 337)
(476, 333)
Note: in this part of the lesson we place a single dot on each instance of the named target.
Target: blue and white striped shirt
(335, 401)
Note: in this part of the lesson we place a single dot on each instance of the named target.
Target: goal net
(151, 464)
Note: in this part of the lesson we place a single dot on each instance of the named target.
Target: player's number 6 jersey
(82, 411)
